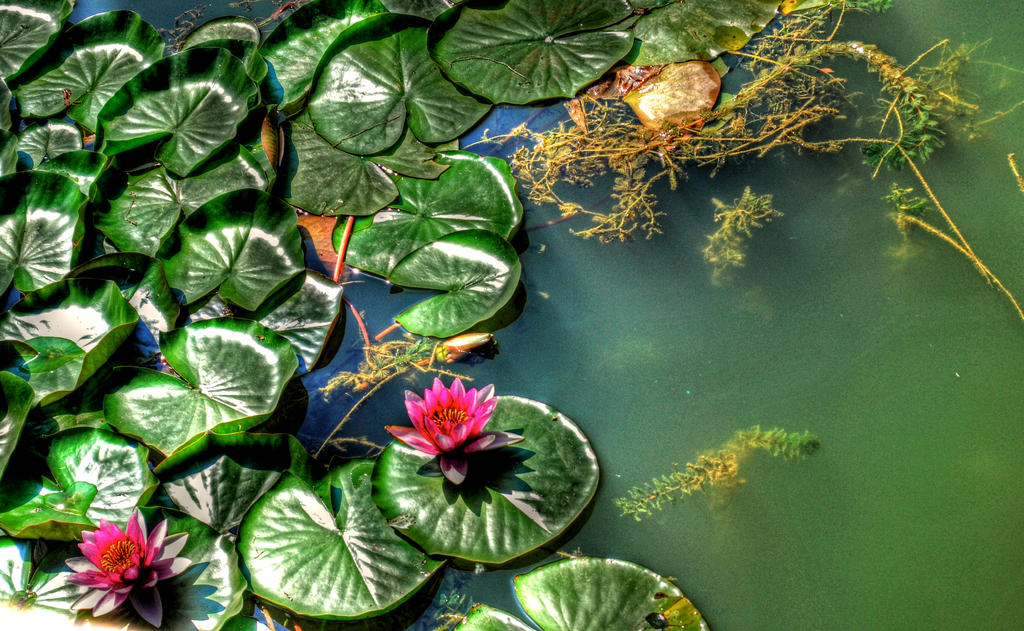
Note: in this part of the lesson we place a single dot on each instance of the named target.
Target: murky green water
(900, 357)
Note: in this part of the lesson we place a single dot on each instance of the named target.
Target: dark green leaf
(5, 107)
(530, 49)
(141, 218)
(248, 52)
(190, 103)
(244, 242)
(475, 192)
(15, 399)
(49, 140)
(39, 509)
(8, 152)
(411, 157)
(428, 9)
(142, 283)
(698, 29)
(591, 593)
(91, 314)
(216, 478)
(224, 28)
(27, 28)
(114, 465)
(376, 75)
(87, 64)
(232, 373)
(338, 561)
(306, 318)
(513, 500)
(487, 618)
(296, 45)
(40, 223)
(354, 187)
(82, 167)
(476, 269)
(48, 588)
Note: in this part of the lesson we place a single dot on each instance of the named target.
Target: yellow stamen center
(447, 418)
(118, 556)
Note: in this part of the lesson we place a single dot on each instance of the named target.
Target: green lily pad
(232, 373)
(203, 597)
(245, 242)
(117, 467)
(486, 618)
(242, 47)
(427, 9)
(145, 213)
(530, 49)
(375, 76)
(355, 187)
(8, 152)
(48, 140)
(91, 61)
(5, 106)
(698, 29)
(295, 46)
(15, 399)
(216, 478)
(474, 193)
(476, 269)
(82, 167)
(594, 593)
(339, 561)
(306, 318)
(224, 28)
(40, 223)
(190, 104)
(90, 314)
(142, 282)
(27, 28)
(39, 509)
(411, 157)
(513, 500)
(42, 584)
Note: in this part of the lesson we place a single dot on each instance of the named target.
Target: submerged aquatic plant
(127, 565)
(735, 224)
(448, 422)
(718, 468)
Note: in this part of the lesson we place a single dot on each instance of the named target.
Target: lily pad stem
(340, 264)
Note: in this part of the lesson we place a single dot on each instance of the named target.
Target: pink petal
(137, 529)
(91, 579)
(412, 438)
(89, 599)
(485, 394)
(110, 601)
(156, 542)
(147, 603)
(130, 574)
(173, 568)
(91, 552)
(492, 440)
(444, 442)
(454, 468)
(460, 433)
(81, 564)
(457, 390)
(173, 546)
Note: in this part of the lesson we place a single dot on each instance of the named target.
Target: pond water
(897, 355)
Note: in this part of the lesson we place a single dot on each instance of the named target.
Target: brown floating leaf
(678, 96)
(272, 138)
(321, 232)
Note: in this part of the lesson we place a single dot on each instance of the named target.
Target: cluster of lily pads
(159, 305)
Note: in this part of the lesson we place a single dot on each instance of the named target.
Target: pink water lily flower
(120, 566)
(449, 422)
